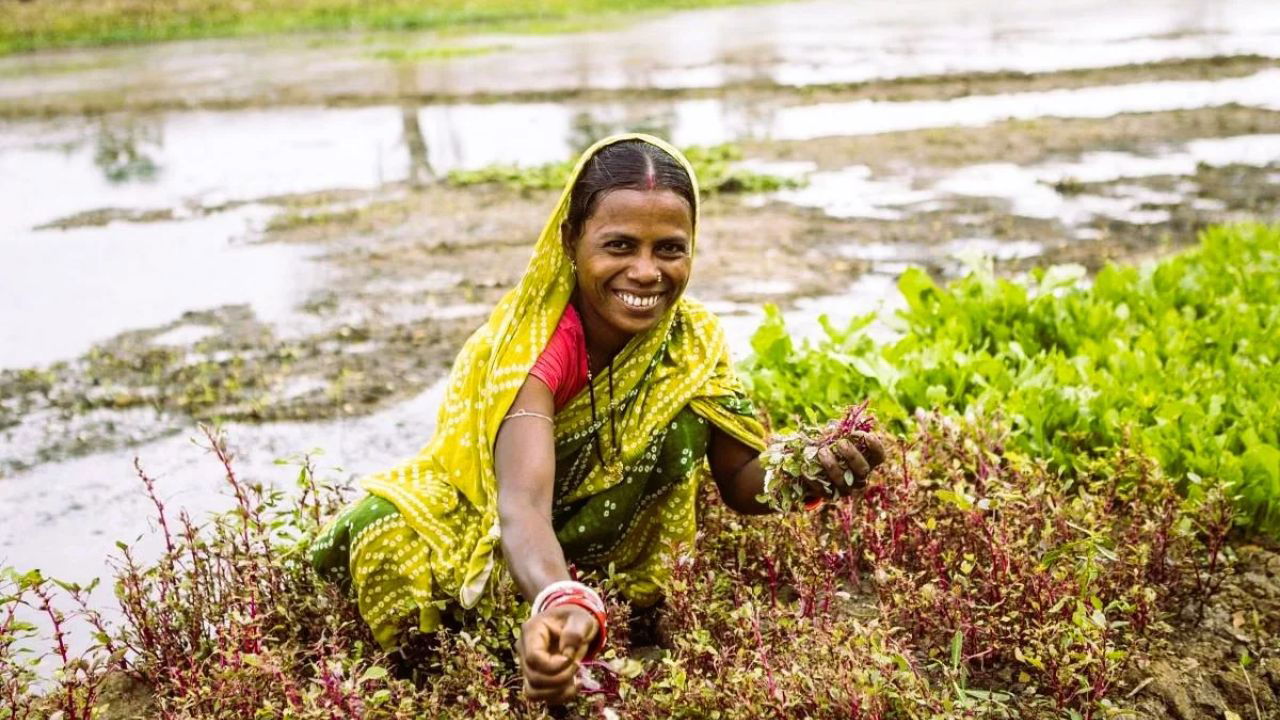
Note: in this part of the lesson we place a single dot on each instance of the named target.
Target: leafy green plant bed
(1182, 359)
(714, 166)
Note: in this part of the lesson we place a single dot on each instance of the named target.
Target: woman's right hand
(551, 645)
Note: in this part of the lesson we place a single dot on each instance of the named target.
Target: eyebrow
(616, 235)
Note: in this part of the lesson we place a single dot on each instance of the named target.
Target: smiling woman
(577, 425)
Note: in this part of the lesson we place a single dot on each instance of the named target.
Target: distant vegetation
(40, 24)
(714, 166)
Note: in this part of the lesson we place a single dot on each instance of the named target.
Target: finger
(557, 696)
(854, 461)
(537, 637)
(541, 680)
(835, 473)
(872, 448)
(580, 629)
(552, 695)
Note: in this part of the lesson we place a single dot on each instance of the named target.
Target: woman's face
(634, 256)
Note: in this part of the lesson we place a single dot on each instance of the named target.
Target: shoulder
(570, 322)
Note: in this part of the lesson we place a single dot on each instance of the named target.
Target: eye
(674, 249)
(617, 244)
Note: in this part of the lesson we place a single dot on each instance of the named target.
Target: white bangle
(555, 587)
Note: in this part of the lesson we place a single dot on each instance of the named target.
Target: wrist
(572, 592)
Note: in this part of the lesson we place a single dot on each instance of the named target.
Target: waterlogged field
(290, 238)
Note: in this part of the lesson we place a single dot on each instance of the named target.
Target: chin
(630, 326)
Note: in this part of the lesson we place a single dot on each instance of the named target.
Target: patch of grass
(70, 23)
(434, 53)
(292, 219)
(714, 166)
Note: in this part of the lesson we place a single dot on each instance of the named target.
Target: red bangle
(574, 593)
(602, 626)
(815, 503)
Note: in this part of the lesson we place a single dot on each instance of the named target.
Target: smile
(637, 302)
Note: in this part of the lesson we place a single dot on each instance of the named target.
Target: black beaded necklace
(591, 392)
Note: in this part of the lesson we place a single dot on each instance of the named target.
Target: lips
(638, 301)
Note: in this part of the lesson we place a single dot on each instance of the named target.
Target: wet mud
(410, 272)
(1222, 660)
(755, 91)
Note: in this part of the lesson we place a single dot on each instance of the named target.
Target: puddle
(886, 253)
(872, 292)
(184, 159)
(836, 42)
(1031, 191)
(852, 192)
(77, 509)
(470, 136)
(62, 290)
(869, 117)
(203, 159)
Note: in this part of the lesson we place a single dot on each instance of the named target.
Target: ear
(567, 240)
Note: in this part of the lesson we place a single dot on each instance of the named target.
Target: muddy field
(279, 251)
(406, 272)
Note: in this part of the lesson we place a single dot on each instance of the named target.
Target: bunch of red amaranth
(791, 460)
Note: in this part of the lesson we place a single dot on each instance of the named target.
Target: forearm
(743, 493)
(524, 461)
(738, 475)
(533, 554)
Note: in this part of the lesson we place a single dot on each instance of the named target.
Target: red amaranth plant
(966, 583)
(992, 560)
(28, 601)
(791, 459)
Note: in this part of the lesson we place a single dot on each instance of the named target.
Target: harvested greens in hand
(791, 461)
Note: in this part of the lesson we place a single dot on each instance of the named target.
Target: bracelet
(529, 413)
(571, 592)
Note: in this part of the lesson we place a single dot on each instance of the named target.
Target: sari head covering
(445, 545)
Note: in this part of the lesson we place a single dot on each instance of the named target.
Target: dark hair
(631, 164)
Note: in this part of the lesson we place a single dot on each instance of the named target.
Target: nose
(644, 270)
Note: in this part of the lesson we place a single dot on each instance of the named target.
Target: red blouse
(563, 363)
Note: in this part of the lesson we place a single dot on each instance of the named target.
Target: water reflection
(126, 151)
(420, 171)
(586, 126)
(203, 159)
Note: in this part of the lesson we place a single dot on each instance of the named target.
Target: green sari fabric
(624, 526)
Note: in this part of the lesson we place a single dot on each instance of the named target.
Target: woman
(574, 429)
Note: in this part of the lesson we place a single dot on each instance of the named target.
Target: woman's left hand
(842, 457)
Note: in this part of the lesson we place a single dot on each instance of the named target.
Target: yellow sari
(429, 534)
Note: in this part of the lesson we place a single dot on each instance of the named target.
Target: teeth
(638, 302)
